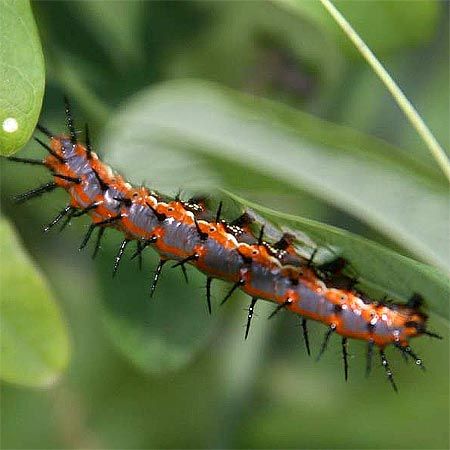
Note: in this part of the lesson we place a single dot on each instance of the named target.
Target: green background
(279, 109)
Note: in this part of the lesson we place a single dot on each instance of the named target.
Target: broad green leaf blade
(33, 337)
(377, 267)
(162, 130)
(22, 75)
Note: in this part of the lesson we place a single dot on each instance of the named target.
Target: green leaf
(377, 267)
(200, 134)
(22, 75)
(33, 337)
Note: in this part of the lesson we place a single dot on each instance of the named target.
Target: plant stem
(404, 104)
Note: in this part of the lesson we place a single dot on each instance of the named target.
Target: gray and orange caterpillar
(187, 233)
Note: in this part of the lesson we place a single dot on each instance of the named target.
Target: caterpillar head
(415, 319)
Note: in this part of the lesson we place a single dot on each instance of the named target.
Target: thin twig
(405, 105)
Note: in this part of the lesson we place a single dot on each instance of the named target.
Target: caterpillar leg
(280, 307)
(326, 339)
(408, 352)
(219, 212)
(431, 334)
(77, 213)
(403, 353)
(233, 288)
(67, 221)
(101, 232)
(387, 369)
(251, 310)
(261, 236)
(119, 255)
(142, 246)
(103, 186)
(156, 276)
(36, 192)
(208, 293)
(87, 236)
(345, 356)
(33, 162)
(69, 121)
(67, 178)
(185, 275)
(88, 141)
(202, 235)
(45, 131)
(92, 227)
(50, 150)
(305, 335)
(67, 210)
(193, 257)
(139, 253)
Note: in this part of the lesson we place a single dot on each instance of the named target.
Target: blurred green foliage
(34, 345)
(164, 374)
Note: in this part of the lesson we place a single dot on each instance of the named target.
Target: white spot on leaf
(10, 125)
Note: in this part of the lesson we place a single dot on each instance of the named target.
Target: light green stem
(404, 104)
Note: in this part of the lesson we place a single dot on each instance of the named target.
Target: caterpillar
(187, 232)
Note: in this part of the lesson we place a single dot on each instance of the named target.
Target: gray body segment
(109, 201)
(69, 150)
(143, 217)
(308, 300)
(264, 279)
(222, 260)
(91, 185)
(180, 236)
(382, 328)
(353, 321)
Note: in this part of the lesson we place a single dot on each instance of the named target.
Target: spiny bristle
(45, 131)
